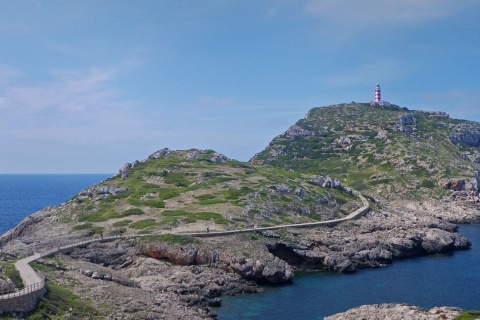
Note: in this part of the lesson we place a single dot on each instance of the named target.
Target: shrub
(141, 224)
(122, 223)
(468, 315)
(205, 197)
(427, 184)
(59, 301)
(171, 239)
(132, 212)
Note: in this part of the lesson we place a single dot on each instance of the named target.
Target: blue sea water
(440, 280)
(24, 194)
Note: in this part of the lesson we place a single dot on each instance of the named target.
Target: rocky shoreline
(396, 312)
(197, 274)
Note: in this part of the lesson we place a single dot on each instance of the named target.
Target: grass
(191, 217)
(58, 302)
(12, 273)
(122, 223)
(211, 201)
(88, 227)
(142, 224)
(171, 239)
(107, 212)
(468, 315)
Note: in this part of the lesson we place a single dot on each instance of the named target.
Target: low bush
(122, 223)
(171, 239)
(141, 224)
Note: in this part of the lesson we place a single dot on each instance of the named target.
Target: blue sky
(86, 86)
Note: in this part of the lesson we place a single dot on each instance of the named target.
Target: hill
(391, 153)
(418, 169)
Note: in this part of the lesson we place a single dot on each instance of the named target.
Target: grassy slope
(172, 193)
(408, 166)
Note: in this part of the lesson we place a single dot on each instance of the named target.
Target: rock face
(326, 182)
(295, 132)
(264, 269)
(407, 123)
(396, 312)
(101, 192)
(467, 134)
(23, 227)
(6, 284)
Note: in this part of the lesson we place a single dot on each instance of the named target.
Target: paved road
(29, 276)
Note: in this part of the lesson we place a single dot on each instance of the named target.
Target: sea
(24, 194)
(439, 280)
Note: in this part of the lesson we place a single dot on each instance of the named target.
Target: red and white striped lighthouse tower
(378, 93)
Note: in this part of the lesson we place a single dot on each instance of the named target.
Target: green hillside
(192, 190)
(388, 151)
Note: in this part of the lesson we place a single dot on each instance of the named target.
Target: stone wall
(22, 302)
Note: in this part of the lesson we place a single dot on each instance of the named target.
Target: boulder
(437, 241)
(295, 132)
(396, 312)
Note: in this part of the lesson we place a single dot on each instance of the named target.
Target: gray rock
(339, 263)
(295, 132)
(467, 134)
(160, 153)
(396, 312)
(282, 188)
(326, 182)
(438, 241)
(407, 123)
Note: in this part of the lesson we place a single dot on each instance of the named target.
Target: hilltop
(393, 154)
(418, 170)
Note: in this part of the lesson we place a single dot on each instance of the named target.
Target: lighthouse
(378, 93)
(377, 100)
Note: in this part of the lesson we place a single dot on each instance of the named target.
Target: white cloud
(80, 107)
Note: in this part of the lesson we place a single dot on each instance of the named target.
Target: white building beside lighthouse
(377, 100)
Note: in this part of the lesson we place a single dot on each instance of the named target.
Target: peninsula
(350, 186)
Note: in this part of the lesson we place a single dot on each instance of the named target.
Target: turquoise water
(24, 194)
(442, 280)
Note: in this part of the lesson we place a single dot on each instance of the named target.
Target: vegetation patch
(171, 239)
(132, 212)
(468, 315)
(211, 201)
(235, 194)
(174, 213)
(12, 273)
(122, 223)
(142, 224)
(426, 183)
(58, 302)
(88, 227)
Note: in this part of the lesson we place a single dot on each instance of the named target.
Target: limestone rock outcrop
(265, 268)
(101, 192)
(396, 312)
(467, 134)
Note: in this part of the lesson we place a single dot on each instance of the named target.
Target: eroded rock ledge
(396, 312)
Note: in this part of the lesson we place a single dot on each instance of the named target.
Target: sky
(86, 86)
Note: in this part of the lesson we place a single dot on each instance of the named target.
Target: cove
(440, 280)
